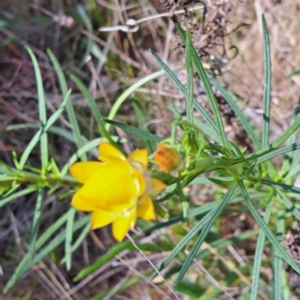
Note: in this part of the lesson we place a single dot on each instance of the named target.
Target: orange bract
(168, 158)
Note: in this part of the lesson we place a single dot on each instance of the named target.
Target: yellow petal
(106, 150)
(145, 208)
(101, 218)
(141, 181)
(122, 224)
(81, 203)
(83, 170)
(140, 157)
(154, 186)
(110, 188)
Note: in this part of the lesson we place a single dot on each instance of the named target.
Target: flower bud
(168, 158)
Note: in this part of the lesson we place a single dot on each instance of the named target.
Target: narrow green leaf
(26, 264)
(296, 72)
(17, 195)
(277, 260)
(90, 145)
(189, 288)
(208, 131)
(68, 135)
(141, 133)
(43, 129)
(130, 90)
(140, 115)
(42, 109)
(182, 89)
(185, 240)
(283, 150)
(111, 253)
(270, 235)
(70, 109)
(259, 251)
(94, 108)
(289, 205)
(213, 216)
(36, 221)
(286, 293)
(240, 114)
(191, 214)
(79, 240)
(130, 281)
(69, 237)
(207, 88)
(267, 85)
(280, 185)
(190, 78)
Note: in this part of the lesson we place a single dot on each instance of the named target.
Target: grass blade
(70, 108)
(207, 88)
(267, 86)
(277, 260)
(289, 205)
(69, 237)
(130, 90)
(94, 107)
(259, 252)
(17, 195)
(182, 89)
(36, 221)
(141, 133)
(267, 231)
(42, 109)
(213, 216)
(190, 78)
(26, 264)
(240, 114)
(141, 121)
(79, 240)
(43, 129)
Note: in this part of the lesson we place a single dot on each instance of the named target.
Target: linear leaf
(17, 195)
(259, 251)
(289, 205)
(85, 231)
(213, 216)
(283, 186)
(267, 85)
(26, 264)
(277, 260)
(207, 88)
(70, 109)
(69, 237)
(190, 78)
(36, 221)
(42, 109)
(44, 128)
(240, 114)
(182, 89)
(141, 133)
(267, 231)
(130, 90)
(94, 107)
(141, 121)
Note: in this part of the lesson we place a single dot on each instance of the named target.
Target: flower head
(168, 159)
(116, 189)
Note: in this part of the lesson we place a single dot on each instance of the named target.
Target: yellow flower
(168, 159)
(116, 189)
